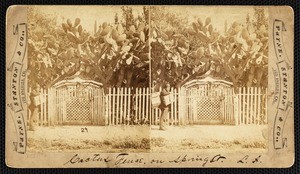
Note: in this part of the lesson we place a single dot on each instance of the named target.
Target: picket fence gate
(124, 106)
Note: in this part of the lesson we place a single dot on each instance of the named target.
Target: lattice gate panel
(78, 109)
(208, 108)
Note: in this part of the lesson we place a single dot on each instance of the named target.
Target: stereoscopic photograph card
(149, 86)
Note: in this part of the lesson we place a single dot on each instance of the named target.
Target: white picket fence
(251, 106)
(133, 106)
(126, 105)
(175, 118)
(43, 117)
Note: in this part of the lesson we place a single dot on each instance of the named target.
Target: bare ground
(209, 138)
(148, 138)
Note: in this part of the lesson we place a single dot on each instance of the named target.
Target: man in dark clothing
(34, 107)
(164, 106)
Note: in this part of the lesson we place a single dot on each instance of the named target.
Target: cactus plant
(240, 54)
(113, 55)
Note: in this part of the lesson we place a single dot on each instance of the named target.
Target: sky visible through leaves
(88, 14)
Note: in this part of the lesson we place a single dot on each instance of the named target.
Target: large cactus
(240, 54)
(110, 50)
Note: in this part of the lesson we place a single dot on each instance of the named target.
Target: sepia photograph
(209, 69)
(88, 78)
(149, 86)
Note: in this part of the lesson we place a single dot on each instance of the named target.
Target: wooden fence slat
(248, 105)
(118, 106)
(157, 116)
(125, 104)
(60, 105)
(109, 106)
(49, 104)
(259, 106)
(113, 106)
(97, 105)
(143, 103)
(245, 107)
(122, 95)
(136, 104)
(46, 100)
(140, 103)
(44, 105)
(129, 103)
(251, 105)
(54, 110)
(255, 106)
(229, 114)
(40, 120)
(147, 104)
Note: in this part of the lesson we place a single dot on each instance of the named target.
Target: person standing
(34, 106)
(164, 106)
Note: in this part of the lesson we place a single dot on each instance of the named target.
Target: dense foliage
(115, 54)
(181, 51)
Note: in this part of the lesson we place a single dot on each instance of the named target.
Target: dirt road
(148, 138)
